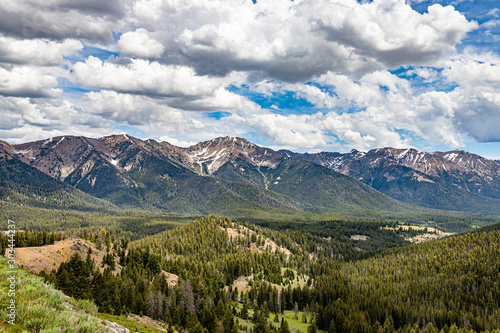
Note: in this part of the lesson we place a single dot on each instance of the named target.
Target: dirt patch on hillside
(49, 257)
(243, 285)
(149, 321)
(172, 279)
(430, 233)
(268, 244)
(427, 237)
(412, 227)
(360, 237)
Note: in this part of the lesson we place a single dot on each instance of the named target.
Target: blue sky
(303, 75)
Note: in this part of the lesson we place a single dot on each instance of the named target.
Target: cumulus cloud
(477, 97)
(177, 86)
(131, 109)
(174, 57)
(143, 77)
(370, 112)
(36, 51)
(139, 43)
(295, 41)
(35, 119)
(155, 117)
(60, 19)
(28, 81)
(177, 142)
(393, 33)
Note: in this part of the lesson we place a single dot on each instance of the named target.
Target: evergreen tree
(284, 326)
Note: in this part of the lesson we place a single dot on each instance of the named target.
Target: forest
(243, 277)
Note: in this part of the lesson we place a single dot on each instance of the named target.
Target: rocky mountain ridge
(217, 176)
(131, 171)
(460, 168)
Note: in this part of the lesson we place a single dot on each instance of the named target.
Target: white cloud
(186, 55)
(295, 41)
(31, 119)
(29, 81)
(310, 93)
(61, 19)
(176, 142)
(131, 109)
(477, 97)
(139, 43)
(495, 12)
(392, 33)
(36, 51)
(144, 77)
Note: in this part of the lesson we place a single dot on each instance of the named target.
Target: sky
(305, 75)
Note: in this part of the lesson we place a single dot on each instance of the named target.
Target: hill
(39, 307)
(347, 275)
(446, 283)
(46, 258)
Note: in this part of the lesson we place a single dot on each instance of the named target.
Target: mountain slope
(454, 281)
(432, 180)
(39, 307)
(222, 176)
(23, 184)
(145, 174)
(231, 175)
(315, 187)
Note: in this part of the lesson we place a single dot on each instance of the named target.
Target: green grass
(299, 281)
(41, 308)
(245, 322)
(294, 324)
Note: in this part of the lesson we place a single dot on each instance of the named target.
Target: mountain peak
(209, 156)
(119, 138)
(6, 150)
(225, 141)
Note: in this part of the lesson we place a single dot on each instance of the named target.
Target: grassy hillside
(41, 308)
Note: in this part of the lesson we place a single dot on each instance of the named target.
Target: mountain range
(454, 180)
(234, 176)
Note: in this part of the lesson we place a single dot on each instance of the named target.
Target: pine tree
(244, 311)
(220, 328)
(284, 326)
(312, 328)
(332, 328)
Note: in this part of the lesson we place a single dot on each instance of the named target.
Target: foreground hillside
(41, 308)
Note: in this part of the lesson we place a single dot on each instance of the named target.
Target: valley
(234, 277)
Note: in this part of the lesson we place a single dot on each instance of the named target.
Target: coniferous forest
(217, 275)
